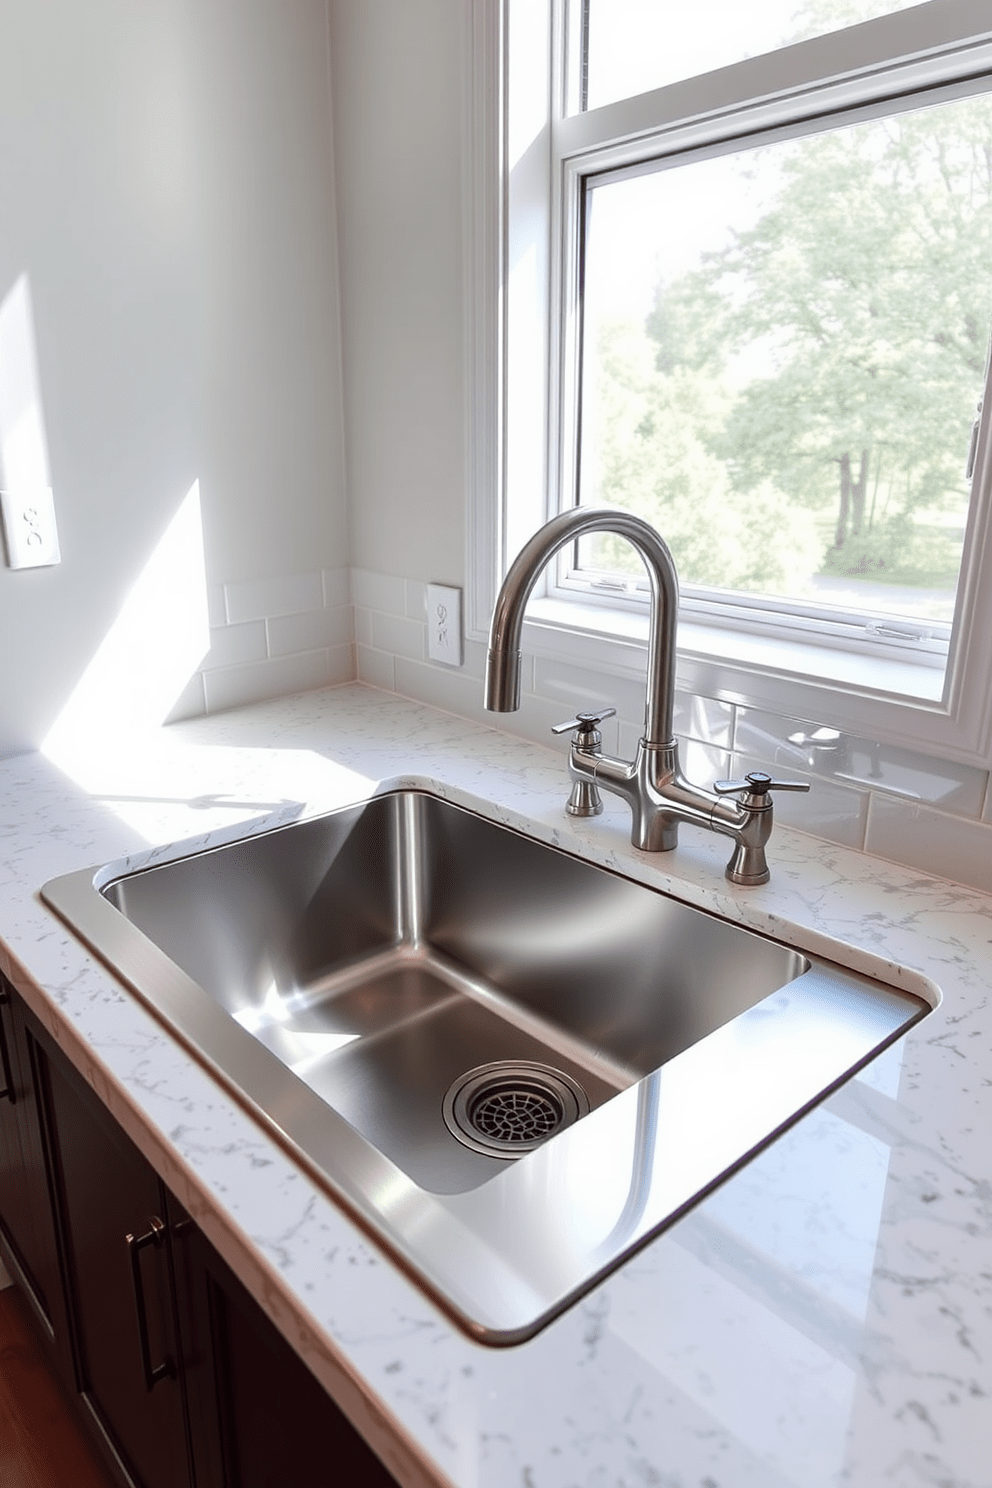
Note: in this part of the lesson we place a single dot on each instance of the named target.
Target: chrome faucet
(652, 784)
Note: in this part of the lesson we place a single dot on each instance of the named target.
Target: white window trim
(517, 296)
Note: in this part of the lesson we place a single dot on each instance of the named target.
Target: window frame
(525, 169)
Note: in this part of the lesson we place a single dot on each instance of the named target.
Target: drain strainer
(510, 1107)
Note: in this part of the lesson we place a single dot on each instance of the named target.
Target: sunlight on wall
(23, 444)
(149, 654)
(166, 787)
(527, 118)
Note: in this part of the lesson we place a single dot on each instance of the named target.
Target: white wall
(166, 187)
(398, 79)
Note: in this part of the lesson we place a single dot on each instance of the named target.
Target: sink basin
(512, 1065)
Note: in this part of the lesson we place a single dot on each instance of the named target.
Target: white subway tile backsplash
(341, 625)
(860, 763)
(582, 689)
(377, 668)
(442, 687)
(416, 599)
(705, 719)
(285, 594)
(363, 625)
(920, 837)
(526, 670)
(232, 645)
(309, 631)
(828, 810)
(232, 687)
(536, 717)
(271, 636)
(703, 763)
(474, 663)
(337, 587)
(399, 635)
(290, 634)
(341, 664)
(573, 690)
(216, 605)
(382, 592)
(987, 808)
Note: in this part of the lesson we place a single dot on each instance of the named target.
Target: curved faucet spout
(652, 784)
(503, 666)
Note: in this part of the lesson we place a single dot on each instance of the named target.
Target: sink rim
(501, 1281)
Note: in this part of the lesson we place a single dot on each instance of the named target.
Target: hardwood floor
(41, 1443)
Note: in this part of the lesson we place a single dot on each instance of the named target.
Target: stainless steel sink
(469, 1035)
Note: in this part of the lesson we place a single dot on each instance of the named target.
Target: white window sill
(564, 626)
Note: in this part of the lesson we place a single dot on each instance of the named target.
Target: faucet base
(747, 880)
(585, 800)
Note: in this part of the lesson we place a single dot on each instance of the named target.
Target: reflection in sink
(386, 950)
(350, 976)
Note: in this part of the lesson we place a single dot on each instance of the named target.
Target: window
(753, 304)
(633, 46)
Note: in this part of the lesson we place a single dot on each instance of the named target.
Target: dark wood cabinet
(28, 1243)
(259, 1418)
(17, 1223)
(180, 1376)
(108, 1202)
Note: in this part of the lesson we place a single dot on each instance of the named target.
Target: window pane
(636, 45)
(783, 352)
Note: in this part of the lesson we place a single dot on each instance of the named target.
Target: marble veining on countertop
(824, 1318)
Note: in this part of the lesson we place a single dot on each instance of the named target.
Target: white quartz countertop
(824, 1318)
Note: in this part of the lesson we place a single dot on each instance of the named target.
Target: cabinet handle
(153, 1237)
(8, 1083)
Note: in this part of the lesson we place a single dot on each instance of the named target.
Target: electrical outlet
(444, 624)
(29, 527)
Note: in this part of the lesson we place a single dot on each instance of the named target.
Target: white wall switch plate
(444, 624)
(31, 535)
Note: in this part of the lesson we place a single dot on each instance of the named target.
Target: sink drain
(510, 1107)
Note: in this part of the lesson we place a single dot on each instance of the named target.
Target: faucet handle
(757, 783)
(585, 799)
(584, 723)
(748, 864)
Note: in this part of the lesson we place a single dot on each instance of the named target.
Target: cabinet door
(26, 1224)
(16, 1217)
(258, 1417)
(112, 1209)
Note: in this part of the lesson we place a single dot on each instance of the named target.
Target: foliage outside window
(768, 328)
(791, 404)
(777, 357)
